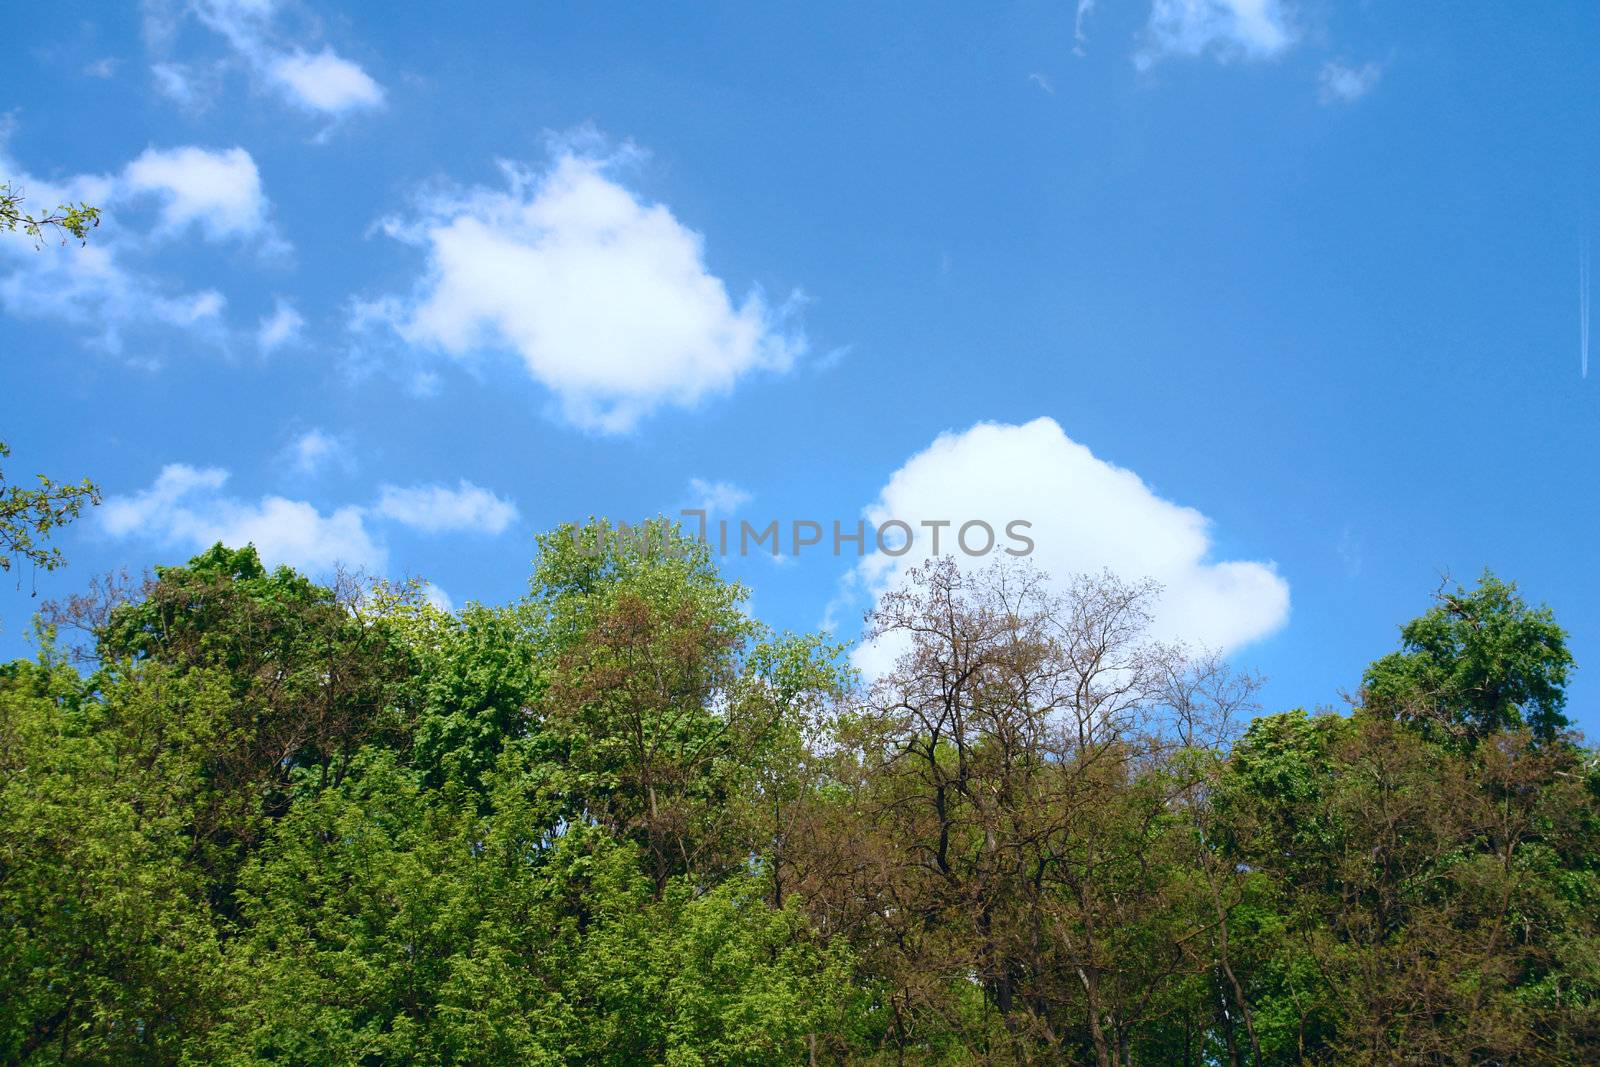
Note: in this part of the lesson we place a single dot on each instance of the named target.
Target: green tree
(1478, 662)
(108, 953)
(621, 822)
(309, 676)
(666, 697)
(1419, 903)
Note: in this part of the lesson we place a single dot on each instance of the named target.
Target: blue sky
(1293, 285)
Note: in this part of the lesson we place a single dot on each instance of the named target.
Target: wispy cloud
(319, 81)
(176, 82)
(1226, 30)
(1080, 35)
(439, 508)
(315, 450)
(1342, 83)
(109, 284)
(280, 328)
(716, 498)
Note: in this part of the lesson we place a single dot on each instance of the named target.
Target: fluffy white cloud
(185, 509)
(605, 297)
(109, 284)
(325, 82)
(220, 191)
(122, 515)
(279, 328)
(1087, 515)
(438, 508)
(1341, 83)
(1226, 29)
(322, 82)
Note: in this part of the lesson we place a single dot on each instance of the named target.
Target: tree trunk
(1091, 992)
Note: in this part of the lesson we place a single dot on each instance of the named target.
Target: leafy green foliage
(621, 822)
(67, 220)
(28, 516)
(1478, 662)
(107, 949)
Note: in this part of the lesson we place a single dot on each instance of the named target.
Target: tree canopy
(620, 821)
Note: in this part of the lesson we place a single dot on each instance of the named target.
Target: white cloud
(1225, 29)
(311, 452)
(173, 81)
(93, 286)
(122, 515)
(438, 508)
(716, 498)
(279, 328)
(220, 191)
(605, 297)
(193, 87)
(185, 509)
(325, 82)
(322, 82)
(204, 306)
(102, 68)
(1080, 36)
(1087, 515)
(108, 284)
(1341, 83)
